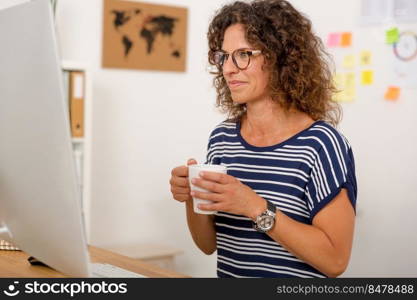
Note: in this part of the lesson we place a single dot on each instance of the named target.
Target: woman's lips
(235, 83)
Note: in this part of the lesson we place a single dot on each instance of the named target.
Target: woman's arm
(202, 229)
(326, 244)
(201, 226)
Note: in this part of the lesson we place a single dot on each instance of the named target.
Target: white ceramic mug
(193, 171)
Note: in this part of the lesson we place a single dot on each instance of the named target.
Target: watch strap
(270, 206)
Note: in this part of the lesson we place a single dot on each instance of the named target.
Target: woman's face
(247, 85)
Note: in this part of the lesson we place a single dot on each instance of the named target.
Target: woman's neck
(267, 118)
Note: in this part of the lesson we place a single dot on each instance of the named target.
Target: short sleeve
(214, 148)
(209, 156)
(209, 152)
(333, 169)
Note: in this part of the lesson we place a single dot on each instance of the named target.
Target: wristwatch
(266, 220)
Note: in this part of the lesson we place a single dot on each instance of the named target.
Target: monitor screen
(40, 209)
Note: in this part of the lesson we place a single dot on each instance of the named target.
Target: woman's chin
(239, 99)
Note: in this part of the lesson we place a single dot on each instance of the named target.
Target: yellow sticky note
(338, 79)
(346, 39)
(367, 77)
(365, 58)
(392, 93)
(350, 87)
(349, 61)
(339, 82)
(350, 79)
(346, 86)
(339, 96)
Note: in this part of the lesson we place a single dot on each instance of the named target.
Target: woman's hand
(180, 187)
(228, 194)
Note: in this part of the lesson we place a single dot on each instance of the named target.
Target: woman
(286, 207)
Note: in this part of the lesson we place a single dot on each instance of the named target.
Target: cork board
(138, 35)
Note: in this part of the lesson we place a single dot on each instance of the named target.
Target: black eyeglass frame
(248, 51)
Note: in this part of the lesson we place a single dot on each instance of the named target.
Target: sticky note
(367, 77)
(392, 35)
(392, 93)
(365, 58)
(350, 80)
(346, 39)
(350, 87)
(346, 87)
(339, 96)
(339, 80)
(333, 39)
(349, 61)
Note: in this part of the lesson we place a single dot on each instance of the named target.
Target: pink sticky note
(333, 39)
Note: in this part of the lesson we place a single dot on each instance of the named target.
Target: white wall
(145, 123)
(8, 3)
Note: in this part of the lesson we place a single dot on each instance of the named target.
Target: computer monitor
(40, 209)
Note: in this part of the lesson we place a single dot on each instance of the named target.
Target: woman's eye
(243, 54)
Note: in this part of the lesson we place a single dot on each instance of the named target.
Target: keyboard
(110, 271)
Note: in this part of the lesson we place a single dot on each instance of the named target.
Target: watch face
(266, 222)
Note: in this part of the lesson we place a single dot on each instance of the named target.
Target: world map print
(144, 36)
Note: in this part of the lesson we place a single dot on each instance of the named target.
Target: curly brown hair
(300, 75)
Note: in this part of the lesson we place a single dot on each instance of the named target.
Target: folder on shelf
(76, 99)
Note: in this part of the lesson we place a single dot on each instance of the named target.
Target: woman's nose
(229, 66)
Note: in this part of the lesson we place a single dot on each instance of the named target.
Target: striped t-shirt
(300, 176)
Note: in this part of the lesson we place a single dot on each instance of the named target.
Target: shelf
(82, 145)
(73, 65)
(77, 140)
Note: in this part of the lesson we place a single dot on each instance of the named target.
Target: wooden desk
(15, 264)
(159, 255)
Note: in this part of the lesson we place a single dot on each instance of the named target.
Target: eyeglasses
(240, 57)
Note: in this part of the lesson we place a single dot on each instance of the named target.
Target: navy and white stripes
(300, 176)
